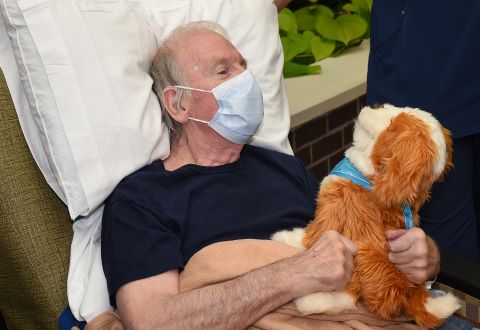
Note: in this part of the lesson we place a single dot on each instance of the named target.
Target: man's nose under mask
(240, 108)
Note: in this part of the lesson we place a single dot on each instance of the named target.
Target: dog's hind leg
(387, 293)
(330, 302)
(429, 311)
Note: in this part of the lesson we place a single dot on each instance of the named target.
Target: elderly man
(215, 188)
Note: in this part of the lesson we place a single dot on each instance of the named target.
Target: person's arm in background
(414, 254)
(155, 302)
(281, 3)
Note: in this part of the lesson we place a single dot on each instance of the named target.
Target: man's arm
(155, 302)
(414, 254)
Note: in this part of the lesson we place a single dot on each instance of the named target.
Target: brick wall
(321, 142)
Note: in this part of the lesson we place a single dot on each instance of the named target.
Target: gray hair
(166, 72)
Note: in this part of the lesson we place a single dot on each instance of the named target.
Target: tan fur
(449, 142)
(403, 157)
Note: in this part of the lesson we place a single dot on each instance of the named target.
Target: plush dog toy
(396, 155)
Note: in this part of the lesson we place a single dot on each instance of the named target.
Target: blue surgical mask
(240, 108)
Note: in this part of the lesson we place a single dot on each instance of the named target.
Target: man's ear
(179, 113)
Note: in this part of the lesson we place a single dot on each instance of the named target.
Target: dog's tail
(430, 311)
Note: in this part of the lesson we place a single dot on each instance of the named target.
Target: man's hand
(326, 266)
(414, 254)
(237, 303)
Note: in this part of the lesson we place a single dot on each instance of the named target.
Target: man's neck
(193, 151)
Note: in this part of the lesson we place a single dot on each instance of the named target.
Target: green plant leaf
(315, 32)
(340, 48)
(294, 70)
(287, 21)
(366, 16)
(293, 45)
(321, 47)
(370, 4)
(350, 7)
(305, 59)
(308, 35)
(358, 5)
(364, 4)
(307, 16)
(343, 28)
(362, 9)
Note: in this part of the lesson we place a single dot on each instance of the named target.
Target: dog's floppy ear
(449, 149)
(403, 158)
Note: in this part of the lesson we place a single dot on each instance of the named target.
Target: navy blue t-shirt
(426, 54)
(155, 220)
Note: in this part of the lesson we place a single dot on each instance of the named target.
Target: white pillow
(84, 67)
(12, 77)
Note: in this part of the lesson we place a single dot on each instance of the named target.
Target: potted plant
(312, 30)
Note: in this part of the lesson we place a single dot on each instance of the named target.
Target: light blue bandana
(345, 169)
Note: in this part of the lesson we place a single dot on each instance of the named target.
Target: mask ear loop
(199, 120)
(198, 90)
(192, 89)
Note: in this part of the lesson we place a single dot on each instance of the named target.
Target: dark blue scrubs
(426, 54)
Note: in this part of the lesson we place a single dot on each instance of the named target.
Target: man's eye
(222, 71)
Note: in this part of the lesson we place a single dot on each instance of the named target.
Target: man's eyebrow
(216, 61)
(223, 60)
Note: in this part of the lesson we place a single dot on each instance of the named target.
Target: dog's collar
(345, 169)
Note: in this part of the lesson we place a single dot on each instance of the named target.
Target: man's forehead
(206, 48)
(216, 58)
(197, 41)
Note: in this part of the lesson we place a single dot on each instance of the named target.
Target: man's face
(208, 60)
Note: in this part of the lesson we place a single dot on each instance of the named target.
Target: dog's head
(403, 151)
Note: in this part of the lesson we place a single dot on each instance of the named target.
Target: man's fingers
(332, 234)
(402, 241)
(410, 252)
(399, 258)
(394, 234)
(352, 247)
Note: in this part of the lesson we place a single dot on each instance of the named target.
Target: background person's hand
(414, 254)
(281, 3)
(326, 266)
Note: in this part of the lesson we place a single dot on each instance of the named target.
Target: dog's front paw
(292, 237)
(325, 303)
